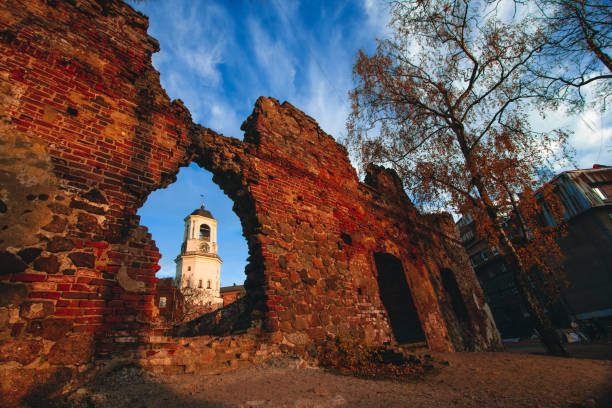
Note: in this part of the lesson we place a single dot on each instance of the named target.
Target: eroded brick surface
(87, 132)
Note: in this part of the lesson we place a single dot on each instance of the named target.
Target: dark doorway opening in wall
(397, 299)
(450, 285)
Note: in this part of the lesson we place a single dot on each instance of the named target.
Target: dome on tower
(203, 212)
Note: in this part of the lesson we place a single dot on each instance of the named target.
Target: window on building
(474, 260)
(162, 302)
(205, 232)
(467, 236)
(208, 285)
(599, 193)
(189, 268)
(200, 283)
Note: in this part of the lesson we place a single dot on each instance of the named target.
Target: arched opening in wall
(397, 299)
(450, 286)
(204, 232)
(202, 248)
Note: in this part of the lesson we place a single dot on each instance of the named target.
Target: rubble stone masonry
(87, 133)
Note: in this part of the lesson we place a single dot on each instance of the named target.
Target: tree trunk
(546, 331)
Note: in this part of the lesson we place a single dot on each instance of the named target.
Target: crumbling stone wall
(87, 132)
(318, 229)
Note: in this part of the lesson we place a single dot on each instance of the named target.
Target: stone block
(51, 328)
(49, 264)
(82, 259)
(22, 351)
(35, 386)
(11, 263)
(60, 244)
(29, 254)
(73, 350)
(12, 294)
(36, 310)
(57, 224)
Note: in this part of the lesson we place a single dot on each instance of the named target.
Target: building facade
(232, 293)
(198, 266)
(587, 199)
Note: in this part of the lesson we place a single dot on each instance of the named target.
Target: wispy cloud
(195, 38)
(276, 63)
(224, 119)
(592, 139)
(377, 14)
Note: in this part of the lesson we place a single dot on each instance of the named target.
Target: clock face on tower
(204, 247)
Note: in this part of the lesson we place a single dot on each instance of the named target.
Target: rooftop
(203, 212)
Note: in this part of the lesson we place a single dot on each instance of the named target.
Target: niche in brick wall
(164, 215)
(397, 299)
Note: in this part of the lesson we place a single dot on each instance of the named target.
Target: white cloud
(276, 62)
(377, 13)
(224, 119)
(591, 138)
(204, 61)
(326, 99)
(195, 38)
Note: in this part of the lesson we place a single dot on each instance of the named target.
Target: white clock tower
(198, 266)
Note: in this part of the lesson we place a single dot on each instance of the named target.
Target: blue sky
(220, 56)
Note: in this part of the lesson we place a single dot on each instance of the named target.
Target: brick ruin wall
(87, 133)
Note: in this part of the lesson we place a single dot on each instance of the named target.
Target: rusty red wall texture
(87, 133)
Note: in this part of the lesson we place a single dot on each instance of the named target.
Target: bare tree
(444, 103)
(576, 38)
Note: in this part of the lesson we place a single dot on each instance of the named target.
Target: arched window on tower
(205, 232)
(208, 286)
(200, 283)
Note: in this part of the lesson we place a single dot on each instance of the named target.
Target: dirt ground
(514, 378)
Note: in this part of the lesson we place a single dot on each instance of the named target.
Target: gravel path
(469, 380)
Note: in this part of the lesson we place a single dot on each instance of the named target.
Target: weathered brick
(45, 295)
(69, 312)
(29, 277)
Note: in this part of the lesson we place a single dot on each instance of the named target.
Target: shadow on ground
(475, 380)
(594, 351)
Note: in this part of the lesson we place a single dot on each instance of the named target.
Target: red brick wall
(230, 297)
(88, 132)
